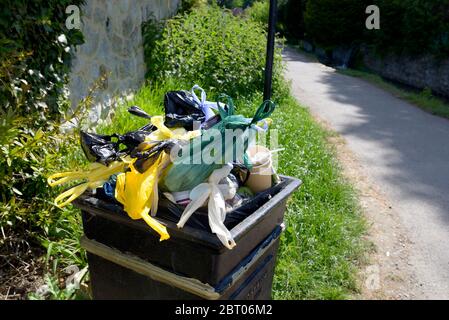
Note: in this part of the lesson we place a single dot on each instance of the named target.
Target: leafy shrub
(35, 53)
(28, 218)
(332, 23)
(259, 11)
(35, 61)
(27, 157)
(152, 33)
(27, 213)
(35, 57)
(28, 154)
(187, 5)
(234, 3)
(213, 48)
(413, 26)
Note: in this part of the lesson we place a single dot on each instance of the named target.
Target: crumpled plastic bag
(102, 148)
(205, 106)
(98, 148)
(135, 110)
(228, 187)
(96, 177)
(181, 110)
(185, 173)
(108, 148)
(138, 192)
(163, 132)
(210, 192)
(162, 139)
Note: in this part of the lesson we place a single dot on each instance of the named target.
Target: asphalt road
(402, 148)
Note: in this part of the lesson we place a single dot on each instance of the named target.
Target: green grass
(322, 245)
(424, 99)
(149, 98)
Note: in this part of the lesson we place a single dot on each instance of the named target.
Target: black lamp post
(270, 51)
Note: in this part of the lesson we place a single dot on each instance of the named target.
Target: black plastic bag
(99, 148)
(181, 110)
(146, 158)
(135, 110)
(132, 139)
(108, 148)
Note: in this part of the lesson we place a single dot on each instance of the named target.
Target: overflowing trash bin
(175, 209)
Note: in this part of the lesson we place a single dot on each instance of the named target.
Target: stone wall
(419, 72)
(113, 46)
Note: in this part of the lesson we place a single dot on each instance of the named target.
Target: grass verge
(424, 99)
(322, 245)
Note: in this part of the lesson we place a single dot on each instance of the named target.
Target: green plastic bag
(191, 169)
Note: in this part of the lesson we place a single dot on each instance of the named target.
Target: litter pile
(200, 154)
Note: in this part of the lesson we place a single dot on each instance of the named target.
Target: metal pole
(270, 51)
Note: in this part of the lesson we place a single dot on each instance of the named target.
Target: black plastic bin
(127, 260)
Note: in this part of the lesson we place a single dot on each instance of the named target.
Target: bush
(35, 57)
(27, 156)
(413, 26)
(187, 5)
(214, 49)
(259, 11)
(29, 221)
(35, 54)
(332, 23)
(234, 3)
(33, 71)
(409, 26)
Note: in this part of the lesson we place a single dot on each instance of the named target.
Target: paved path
(403, 149)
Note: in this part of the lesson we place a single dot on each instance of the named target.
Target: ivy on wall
(35, 54)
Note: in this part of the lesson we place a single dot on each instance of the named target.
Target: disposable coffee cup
(259, 155)
(262, 170)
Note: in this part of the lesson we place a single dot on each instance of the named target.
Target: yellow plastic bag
(138, 192)
(164, 133)
(96, 177)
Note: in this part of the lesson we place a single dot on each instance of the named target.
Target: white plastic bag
(209, 191)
